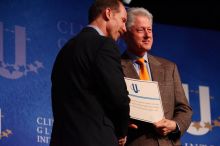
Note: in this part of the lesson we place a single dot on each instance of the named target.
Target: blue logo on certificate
(134, 87)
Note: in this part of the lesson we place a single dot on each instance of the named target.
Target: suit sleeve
(111, 80)
(182, 110)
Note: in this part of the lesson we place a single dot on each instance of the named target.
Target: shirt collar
(134, 57)
(97, 29)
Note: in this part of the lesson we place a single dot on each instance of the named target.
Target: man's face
(140, 37)
(116, 26)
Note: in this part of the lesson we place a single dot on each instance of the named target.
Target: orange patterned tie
(144, 75)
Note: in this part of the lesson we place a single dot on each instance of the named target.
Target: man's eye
(124, 20)
(140, 30)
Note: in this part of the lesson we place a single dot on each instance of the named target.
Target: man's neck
(100, 25)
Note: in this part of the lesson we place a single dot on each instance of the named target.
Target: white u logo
(20, 53)
(19, 68)
(205, 110)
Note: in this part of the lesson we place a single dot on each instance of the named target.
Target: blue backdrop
(31, 34)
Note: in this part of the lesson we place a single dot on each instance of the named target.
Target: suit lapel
(129, 69)
(157, 70)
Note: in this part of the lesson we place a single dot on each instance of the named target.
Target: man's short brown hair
(99, 5)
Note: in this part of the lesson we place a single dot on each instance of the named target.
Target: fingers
(162, 131)
(165, 126)
(160, 124)
(133, 126)
(165, 123)
(165, 131)
(122, 141)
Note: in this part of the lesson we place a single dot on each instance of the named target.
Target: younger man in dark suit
(89, 96)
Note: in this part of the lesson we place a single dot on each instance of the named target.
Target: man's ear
(107, 14)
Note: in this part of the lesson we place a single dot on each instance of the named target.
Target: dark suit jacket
(89, 97)
(174, 102)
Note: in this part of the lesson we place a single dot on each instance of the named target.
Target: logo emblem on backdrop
(20, 67)
(206, 124)
(3, 133)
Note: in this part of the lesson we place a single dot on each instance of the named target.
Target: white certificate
(145, 104)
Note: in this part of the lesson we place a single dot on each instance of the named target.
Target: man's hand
(165, 126)
(133, 126)
(122, 141)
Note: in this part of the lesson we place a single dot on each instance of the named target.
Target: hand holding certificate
(145, 104)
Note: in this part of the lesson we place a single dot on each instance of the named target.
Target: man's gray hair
(137, 11)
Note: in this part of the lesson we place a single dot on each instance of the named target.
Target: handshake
(162, 127)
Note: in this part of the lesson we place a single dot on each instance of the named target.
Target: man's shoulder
(91, 34)
(88, 32)
(162, 60)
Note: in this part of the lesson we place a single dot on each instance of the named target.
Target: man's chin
(112, 37)
(115, 38)
(147, 48)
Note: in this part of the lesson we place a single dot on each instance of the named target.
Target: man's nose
(124, 28)
(146, 34)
